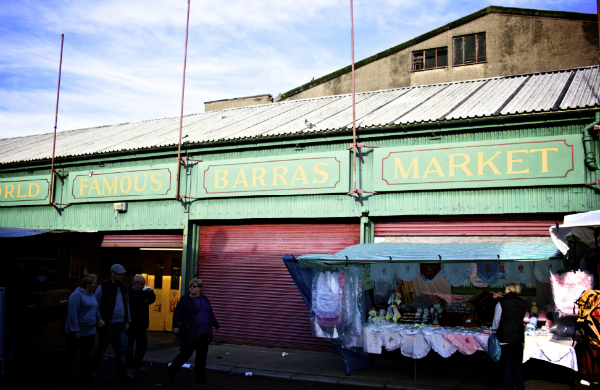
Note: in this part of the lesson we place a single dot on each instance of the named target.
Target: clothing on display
(567, 287)
(456, 273)
(519, 272)
(488, 272)
(407, 271)
(542, 269)
(429, 272)
(327, 297)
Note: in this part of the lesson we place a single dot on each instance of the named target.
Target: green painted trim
(191, 150)
(189, 258)
(459, 22)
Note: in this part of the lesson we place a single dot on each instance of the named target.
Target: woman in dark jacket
(193, 321)
(508, 323)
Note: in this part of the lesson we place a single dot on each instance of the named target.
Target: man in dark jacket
(508, 324)
(140, 298)
(113, 301)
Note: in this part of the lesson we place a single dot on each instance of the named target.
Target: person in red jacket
(193, 321)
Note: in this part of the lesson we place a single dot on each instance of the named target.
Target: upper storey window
(469, 49)
(430, 58)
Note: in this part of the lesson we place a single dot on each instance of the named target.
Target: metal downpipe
(588, 148)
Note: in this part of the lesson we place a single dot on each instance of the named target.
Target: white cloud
(123, 61)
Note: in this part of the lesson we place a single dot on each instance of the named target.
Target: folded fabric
(519, 271)
(488, 272)
(440, 345)
(429, 272)
(456, 273)
(391, 340)
(542, 269)
(407, 271)
(467, 345)
(372, 341)
(415, 346)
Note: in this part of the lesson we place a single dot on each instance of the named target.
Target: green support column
(189, 267)
(367, 229)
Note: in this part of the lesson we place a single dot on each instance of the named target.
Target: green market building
(500, 159)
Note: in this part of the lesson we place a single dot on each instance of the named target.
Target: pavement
(389, 370)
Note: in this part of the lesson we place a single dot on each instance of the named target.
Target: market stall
(363, 298)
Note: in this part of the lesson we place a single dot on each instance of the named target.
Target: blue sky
(123, 60)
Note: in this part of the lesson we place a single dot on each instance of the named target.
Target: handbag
(494, 347)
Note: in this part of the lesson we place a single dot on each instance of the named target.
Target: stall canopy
(9, 232)
(425, 252)
(585, 226)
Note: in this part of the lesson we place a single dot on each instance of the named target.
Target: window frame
(477, 60)
(422, 53)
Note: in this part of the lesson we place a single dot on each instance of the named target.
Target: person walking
(193, 321)
(508, 324)
(113, 300)
(83, 316)
(140, 298)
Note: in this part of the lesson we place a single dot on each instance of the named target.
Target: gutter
(588, 149)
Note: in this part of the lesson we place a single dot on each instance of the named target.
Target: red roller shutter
(252, 293)
(522, 225)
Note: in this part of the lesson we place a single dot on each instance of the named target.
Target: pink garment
(567, 287)
(465, 344)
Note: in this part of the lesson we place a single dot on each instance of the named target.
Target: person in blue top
(83, 317)
(193, 320)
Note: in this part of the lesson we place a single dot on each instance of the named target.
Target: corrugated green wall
(169, 214)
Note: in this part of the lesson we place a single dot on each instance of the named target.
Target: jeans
(85, 345)
(113, 334)
(140, 338)
(201, 348)
(512, 366)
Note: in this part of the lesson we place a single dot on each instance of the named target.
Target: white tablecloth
(417, 341)
(554, 351)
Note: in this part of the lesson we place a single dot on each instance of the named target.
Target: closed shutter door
(130, 240)
(252, 294)
(492, 225)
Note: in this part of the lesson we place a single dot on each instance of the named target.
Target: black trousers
(201, 348)
(512, 366)
(85, 345)
(140, 339)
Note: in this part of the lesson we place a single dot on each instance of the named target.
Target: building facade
(501, 159)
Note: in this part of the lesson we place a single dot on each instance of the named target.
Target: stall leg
(415, 364)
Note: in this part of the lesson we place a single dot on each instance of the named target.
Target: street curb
(363, 383)
(270, 374)
(316, 378)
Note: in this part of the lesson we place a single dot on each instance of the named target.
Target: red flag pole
(182, 97)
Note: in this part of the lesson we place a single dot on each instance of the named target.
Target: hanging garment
(327, 297)
(415, 346)
(407, 271)
(465, 344)
(519, 271)
(488, 272)
(440, 345)
(382, 272)
(456, 273)
(365, 277)
(429, 272)
(567, 287)
(542, 269)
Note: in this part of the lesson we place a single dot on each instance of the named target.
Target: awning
(6, 232)
(431, 253)
(582, 225)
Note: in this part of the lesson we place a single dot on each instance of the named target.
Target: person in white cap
(113, 300)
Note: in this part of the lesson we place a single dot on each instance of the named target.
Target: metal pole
(56, 120)
(353, 96)
(182, 96)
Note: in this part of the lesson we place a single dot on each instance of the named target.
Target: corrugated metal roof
(509, 95)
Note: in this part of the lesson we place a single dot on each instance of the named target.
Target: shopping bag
(494, 348)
